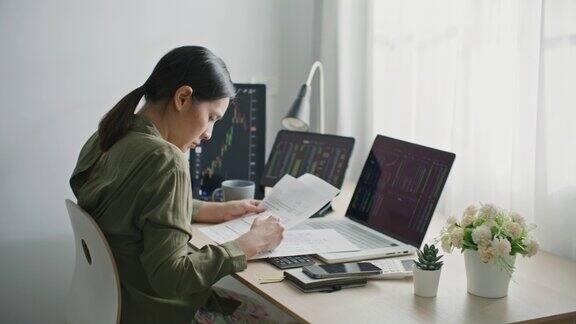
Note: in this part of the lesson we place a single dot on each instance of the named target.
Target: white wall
(63, 64)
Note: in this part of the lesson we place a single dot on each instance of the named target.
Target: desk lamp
(298, 118)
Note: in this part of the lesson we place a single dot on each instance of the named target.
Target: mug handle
(214, 193)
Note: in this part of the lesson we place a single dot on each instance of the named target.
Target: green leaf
(468, 235)
(468, 245)
(428, 256)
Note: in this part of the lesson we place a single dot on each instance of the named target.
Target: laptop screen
(296, 153)
(399, 188)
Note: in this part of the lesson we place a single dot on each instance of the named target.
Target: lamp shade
(298, 118)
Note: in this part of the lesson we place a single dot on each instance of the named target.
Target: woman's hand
(211, 212)
(237, 208)
(264, 235)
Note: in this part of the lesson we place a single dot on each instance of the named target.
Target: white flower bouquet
(494, 232)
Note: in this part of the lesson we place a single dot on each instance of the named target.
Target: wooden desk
(543, 289)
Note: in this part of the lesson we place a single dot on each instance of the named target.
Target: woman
(133, 177)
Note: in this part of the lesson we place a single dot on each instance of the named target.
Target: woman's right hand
(264, 235)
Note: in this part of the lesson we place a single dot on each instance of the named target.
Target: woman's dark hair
(194, 66)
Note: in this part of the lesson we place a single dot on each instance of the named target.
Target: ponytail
(117, 122)
(194, 66)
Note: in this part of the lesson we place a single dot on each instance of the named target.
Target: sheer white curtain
(484, 79)
(488, 80)
(343, 38)
(555, 202)
(463, 76)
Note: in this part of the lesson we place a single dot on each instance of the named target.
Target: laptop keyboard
(363, 239)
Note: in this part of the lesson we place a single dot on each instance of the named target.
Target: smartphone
(341, 270)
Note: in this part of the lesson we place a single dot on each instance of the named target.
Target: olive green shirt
(139, 192)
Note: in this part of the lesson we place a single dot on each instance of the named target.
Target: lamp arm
(318, 66)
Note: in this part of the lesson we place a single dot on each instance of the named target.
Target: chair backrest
(94, 295)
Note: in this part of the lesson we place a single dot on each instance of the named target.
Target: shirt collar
(143, 124)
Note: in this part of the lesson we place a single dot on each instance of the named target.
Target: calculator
(288, 262)
(393, 268)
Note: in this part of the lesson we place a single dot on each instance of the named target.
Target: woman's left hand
(237, 208)
(218, 212)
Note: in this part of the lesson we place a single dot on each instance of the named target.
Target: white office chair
(94, 296)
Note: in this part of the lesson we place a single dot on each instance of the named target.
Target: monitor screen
(399, 188)
(237, 147)
(296, 153)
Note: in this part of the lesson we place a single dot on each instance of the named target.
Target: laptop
(295, 153)
(393, 201)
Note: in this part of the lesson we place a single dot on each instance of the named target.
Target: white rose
(451, 221)
(471, 210)
(486, 253)
(517, 218)
(531, 248)
(446, 243)
(457, 237)
(483, 220)
(505, 218)
(467, 219)
(490, 222)
(489, 210)
(482, 235)
(501, 247)
(513, 229)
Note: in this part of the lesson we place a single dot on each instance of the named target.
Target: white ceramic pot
(426, 282)
(487, 280)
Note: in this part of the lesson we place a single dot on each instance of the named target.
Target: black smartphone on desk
(354, 269)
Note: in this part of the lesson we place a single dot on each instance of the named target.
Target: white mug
(235, 190)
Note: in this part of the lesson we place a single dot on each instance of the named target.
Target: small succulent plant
(428, 258)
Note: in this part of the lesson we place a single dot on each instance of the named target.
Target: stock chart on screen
(296, 153)
(237, 147)
(399, 188)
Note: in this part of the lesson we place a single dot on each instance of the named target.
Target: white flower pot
(487, 280)
(426, 282)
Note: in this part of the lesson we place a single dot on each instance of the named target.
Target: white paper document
(292, 200)
(298, 242)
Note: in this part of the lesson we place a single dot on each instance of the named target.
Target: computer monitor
(399, 188)
(296, 153)
(237, 147)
